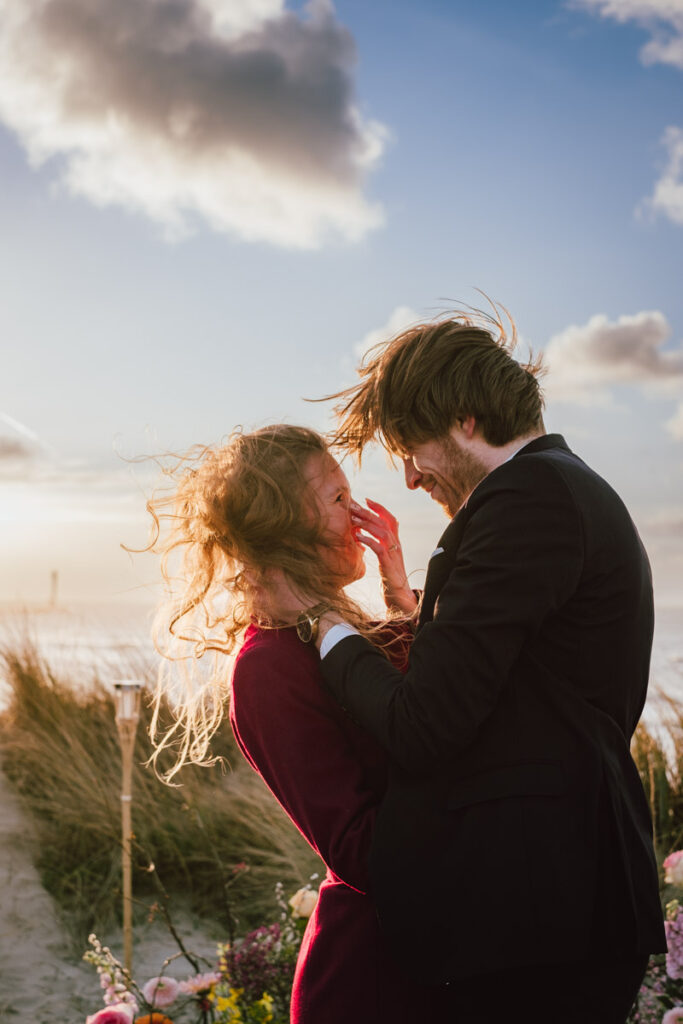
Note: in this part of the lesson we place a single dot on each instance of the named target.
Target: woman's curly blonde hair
(234, 513)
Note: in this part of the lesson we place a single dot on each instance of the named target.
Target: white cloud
(235, 17)
(401, 318)
(675, 424)
(238, 113)
(587, 361)
(663, 18)
(667, 195)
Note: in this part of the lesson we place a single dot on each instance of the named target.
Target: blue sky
(165, 294)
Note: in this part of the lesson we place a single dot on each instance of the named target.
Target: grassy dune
(659, 758)
(60, 748)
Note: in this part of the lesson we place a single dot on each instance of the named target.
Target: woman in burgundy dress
(261, 518)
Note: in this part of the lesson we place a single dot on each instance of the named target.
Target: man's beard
(462, 472)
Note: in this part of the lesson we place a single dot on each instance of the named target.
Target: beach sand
(42, 981)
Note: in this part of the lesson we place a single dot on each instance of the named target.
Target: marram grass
(220, 831)
(659, 757)
(59, 746)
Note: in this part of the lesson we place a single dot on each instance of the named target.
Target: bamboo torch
(127, 693)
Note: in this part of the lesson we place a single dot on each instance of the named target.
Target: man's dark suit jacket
(515, 830)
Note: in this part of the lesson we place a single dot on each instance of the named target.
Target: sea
(112, 642)
(82, 642)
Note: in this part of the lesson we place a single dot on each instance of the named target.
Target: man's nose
(412, 474)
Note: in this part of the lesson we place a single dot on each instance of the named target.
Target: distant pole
(127, 714)
(54, 581)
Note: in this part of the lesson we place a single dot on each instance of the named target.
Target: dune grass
(659, 758)
(220, 841)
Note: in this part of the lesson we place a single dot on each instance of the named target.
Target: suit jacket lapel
(440, 565)
(442, 561)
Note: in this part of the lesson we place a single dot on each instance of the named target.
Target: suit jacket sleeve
(291, 732)
(518, 561)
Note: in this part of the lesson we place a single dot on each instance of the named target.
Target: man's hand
(380, 534)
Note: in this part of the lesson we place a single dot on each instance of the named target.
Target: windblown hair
(234, 513)
(414, 387)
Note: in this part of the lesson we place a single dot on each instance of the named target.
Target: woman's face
(330, 489)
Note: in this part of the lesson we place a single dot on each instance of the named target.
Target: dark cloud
(225, 119)
(283, 92)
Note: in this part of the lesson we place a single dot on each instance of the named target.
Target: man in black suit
(513, 858)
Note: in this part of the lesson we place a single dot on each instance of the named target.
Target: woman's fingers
(381, 525)
(383, 513)
(371, 543)
(371, 523)
(378, 530)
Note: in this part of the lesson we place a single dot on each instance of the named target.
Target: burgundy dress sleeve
(302, 745)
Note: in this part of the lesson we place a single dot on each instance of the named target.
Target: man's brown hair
(414, 387)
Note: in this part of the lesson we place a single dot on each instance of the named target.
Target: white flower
(303, 902)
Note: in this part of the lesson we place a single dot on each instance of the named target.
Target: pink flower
(160, 992)
(119, 1013)
(673, 866)
(674, 1016)
(199, 983)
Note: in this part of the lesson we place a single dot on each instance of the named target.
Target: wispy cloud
(238, 113)
(675, 424)
(664, 21)
(662, 18)
(401, 318)
(667, 195)
(586, 362)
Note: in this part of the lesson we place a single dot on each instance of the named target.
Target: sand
(42, 981)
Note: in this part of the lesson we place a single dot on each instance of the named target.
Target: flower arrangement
(250, 983)
(660, 1000)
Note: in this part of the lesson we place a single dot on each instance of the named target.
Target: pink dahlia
(674, 1016)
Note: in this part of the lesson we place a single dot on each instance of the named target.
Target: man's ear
(466, 427)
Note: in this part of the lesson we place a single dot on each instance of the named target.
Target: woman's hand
(380, 534)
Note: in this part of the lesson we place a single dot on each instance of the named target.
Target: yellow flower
(229, 1005)
(265, 1003)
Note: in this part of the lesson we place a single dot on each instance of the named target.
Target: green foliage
(219, 837)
